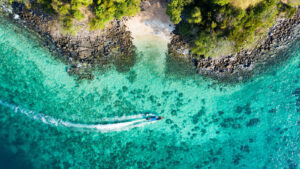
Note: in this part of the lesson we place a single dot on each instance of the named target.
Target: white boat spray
(106, 124)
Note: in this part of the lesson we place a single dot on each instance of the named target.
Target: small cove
(207, 124)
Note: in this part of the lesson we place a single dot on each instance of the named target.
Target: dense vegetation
(293, 2)
(209, 22)
(103, 10)
(244, 4)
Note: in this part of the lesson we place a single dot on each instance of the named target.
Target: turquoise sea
(49, 120)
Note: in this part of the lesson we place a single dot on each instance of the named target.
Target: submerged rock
(252, 122)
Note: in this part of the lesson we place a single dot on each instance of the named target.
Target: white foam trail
(120, 123)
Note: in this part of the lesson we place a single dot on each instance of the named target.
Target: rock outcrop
(242, 65)
(85, 51)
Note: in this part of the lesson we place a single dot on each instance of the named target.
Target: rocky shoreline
(113, 45)
(81, 54)
(243, 65)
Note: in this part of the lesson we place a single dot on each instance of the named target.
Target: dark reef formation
(297, 94)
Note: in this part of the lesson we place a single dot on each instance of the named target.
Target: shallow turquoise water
(206, 125)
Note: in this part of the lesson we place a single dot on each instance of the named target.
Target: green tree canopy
(103, 10)
(206, 21)
(196, 16)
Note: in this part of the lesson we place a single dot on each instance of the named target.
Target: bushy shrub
(288, 10)
(107, 10)
(196, 16)
(175, 8)
(204, 43)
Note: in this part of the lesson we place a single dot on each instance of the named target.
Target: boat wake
(105, 125)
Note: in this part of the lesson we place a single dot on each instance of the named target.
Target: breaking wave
(106, 124)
